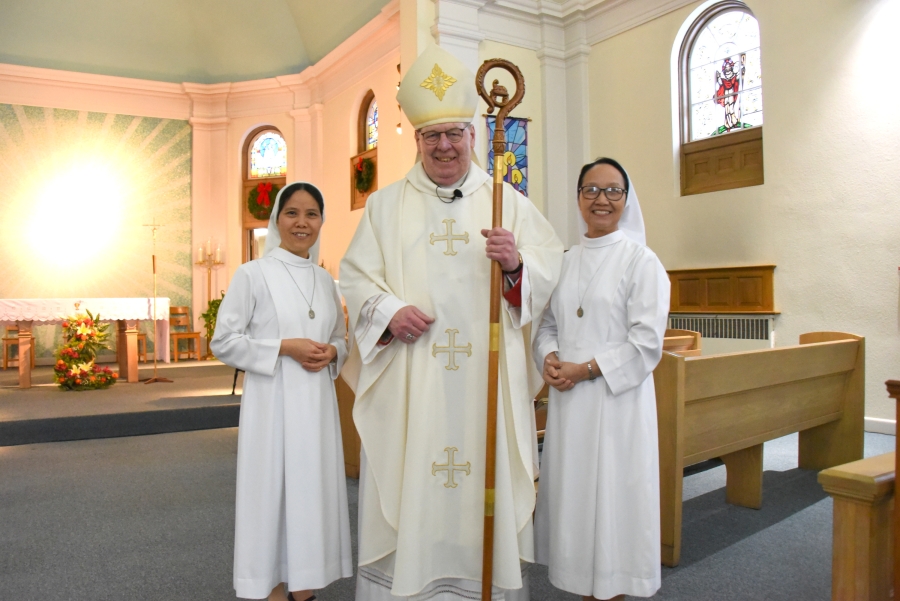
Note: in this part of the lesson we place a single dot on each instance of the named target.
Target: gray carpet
(152, 517)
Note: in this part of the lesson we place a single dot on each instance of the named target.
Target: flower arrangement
(75, 369)
(209, 318)
(261, 199)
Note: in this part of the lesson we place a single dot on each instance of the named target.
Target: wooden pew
(727, 406)
(893, 388)
(686, 343)
(861, 544)
(349, 434)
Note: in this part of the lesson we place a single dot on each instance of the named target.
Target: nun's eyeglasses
(453, 135)
(593, 192)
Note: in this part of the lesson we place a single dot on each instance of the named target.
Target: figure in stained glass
(268, 156)
(515, 159)
(728, 86)
(726, 54)
(372, 126)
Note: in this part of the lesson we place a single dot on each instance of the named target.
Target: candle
(199, 254)
(218, 254)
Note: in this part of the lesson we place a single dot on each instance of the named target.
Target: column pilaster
(209, 185)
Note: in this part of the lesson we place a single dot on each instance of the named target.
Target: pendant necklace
(580, 312)
(312, 314)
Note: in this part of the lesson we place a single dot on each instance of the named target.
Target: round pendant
(312, 314)
(580, 312)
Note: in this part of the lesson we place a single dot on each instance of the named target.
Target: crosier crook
(497, 98)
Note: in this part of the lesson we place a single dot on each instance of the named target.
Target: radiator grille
(740, 328)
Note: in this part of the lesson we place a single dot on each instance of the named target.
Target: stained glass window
(515, 159)
(268, 156)
(724, 76)
(372, 126)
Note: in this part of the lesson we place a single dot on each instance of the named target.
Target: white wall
(827, 215)
(339, 119)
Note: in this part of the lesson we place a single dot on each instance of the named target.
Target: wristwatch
(518, 268)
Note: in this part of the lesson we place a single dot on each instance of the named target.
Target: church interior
(145, 143)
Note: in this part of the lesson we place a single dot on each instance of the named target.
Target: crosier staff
(497, 98)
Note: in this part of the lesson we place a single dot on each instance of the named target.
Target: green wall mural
(78, 189)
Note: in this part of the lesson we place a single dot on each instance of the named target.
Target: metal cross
(450, 237)
(450, 467)
(451, 349)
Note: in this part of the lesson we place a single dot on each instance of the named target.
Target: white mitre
(438, 88)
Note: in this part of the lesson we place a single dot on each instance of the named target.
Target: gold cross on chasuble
(450, 467)
(451, 349)
(450, 237)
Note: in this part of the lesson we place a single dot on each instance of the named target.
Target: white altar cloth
(47, 311)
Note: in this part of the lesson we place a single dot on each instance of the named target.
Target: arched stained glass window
(372, 125)
(268, 156)
(724, 74)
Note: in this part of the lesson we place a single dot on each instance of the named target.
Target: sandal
(290, 597)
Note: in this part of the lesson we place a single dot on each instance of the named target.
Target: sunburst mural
(78, 188)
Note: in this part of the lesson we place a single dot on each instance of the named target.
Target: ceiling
(202, 41)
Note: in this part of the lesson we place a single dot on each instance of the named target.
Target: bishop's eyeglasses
(593, 192)
(453, 135)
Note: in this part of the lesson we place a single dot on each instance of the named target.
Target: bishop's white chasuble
(421, 408)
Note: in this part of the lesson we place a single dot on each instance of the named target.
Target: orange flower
(93, 379)
(65, 324)
(115, 375)
(77, 382)
(62, 380)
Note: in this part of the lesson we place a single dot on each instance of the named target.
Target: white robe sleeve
(542, 254)
(338, 335)
(628, 364)
(546, 340)
(521, 315)
(373, 320)
(231, 343)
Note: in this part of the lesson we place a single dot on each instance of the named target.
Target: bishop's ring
(410, 337)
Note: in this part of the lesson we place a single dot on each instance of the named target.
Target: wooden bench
(686, 343)
(863, 528)
(727, 406)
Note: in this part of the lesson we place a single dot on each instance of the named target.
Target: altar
(126, 312)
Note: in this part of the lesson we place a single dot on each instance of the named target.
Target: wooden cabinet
(723, 162)
(723, 290)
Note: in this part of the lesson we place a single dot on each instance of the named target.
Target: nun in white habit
(597, 516)
(282, 323)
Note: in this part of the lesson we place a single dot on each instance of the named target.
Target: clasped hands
(409, 323)
(311, 355)
(563, 375)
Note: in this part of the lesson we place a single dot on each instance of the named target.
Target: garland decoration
(365, 174)
(75, 368)
(261, 199)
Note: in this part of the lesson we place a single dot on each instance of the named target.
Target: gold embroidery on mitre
(438, 82)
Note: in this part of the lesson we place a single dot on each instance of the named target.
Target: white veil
(273, 238)
(632, 220)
